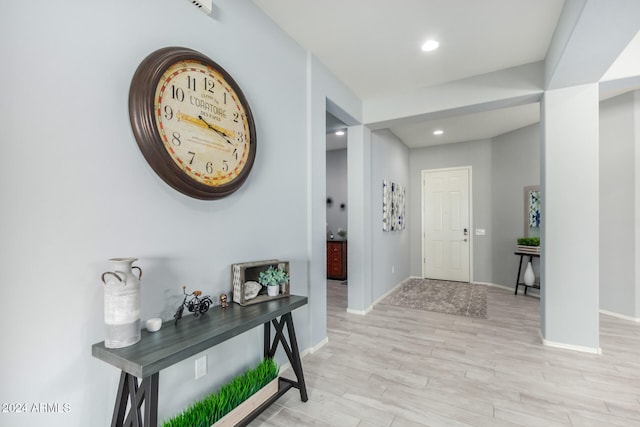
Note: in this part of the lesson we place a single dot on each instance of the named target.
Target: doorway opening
(337, 196)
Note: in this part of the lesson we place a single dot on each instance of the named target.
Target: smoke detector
(204, 5)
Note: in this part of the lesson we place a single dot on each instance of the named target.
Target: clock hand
(199, 121)
(190, 119)
(221, 131)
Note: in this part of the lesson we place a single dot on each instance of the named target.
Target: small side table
(518, 283)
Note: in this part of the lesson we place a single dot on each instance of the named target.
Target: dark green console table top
(192, 335)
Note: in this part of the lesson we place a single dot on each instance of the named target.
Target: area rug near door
(458, 298)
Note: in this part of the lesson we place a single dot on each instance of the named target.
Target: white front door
(446, 236)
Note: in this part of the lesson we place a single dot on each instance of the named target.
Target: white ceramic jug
(122, 303)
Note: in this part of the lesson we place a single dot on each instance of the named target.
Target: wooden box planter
(234, 404)
(240, 413)
(528, 245)
(249, 271)
(528, 249)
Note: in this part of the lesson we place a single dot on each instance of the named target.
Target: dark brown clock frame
(143, 123)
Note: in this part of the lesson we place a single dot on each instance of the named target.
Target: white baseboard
(317, 346)
(568, 346)
(507, 288)
(495, 285)
(359, 312)
(303, 353)
(620, 316)
(285, 367)
(368, 309)
(386, 294)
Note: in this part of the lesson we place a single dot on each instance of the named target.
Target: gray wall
(337, 190)
(391, 249)
(76, 191)
(326, 94)
(476, 154)
(512, 162)
(618, 253)
(501, 168)
(516, 164)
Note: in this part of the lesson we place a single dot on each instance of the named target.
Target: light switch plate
(480, 232)
(201, 367)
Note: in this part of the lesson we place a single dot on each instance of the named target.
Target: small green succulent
(273, 276)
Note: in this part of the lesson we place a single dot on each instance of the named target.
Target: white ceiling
(373, 47)
(333, 124)
(469, 127)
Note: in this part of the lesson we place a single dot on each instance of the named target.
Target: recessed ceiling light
(438, 132)
(430, 45)
(339, 132)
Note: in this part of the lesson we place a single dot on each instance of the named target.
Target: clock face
(192, 123)
(202, 123)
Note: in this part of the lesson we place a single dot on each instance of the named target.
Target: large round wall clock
(192, 123)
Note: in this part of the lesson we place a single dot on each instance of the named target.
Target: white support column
(359, 219)
(636, 193)
(570, 218)
(316, 206)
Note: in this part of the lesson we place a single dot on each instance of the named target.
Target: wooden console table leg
(296, 362)
(292, 351)
(267, 340)
(122, 398)
(133, 396)
(150, 385)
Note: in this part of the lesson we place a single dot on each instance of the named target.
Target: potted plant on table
(529, 245)
(273, 278)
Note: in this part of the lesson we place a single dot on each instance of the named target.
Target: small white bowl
(154, 324)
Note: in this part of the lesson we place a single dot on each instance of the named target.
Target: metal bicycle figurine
(195, 305)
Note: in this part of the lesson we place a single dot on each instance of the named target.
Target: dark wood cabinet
(337, 260)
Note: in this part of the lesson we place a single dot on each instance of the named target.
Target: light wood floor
(401, 367)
